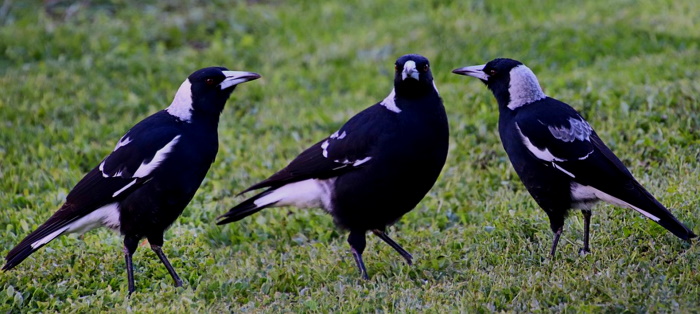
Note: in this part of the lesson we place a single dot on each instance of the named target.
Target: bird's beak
(234, 78)
(474, 70)
(409, 70)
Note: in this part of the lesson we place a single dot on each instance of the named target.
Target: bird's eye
(491, 72)
(426, 68)
(209, 81)
(396, 67)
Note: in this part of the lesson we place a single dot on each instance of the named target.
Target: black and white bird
(560, 159)
(152, 174)
(374, 169)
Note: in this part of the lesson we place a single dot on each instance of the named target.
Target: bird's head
(206, 91)
(512, 83)
(413, 76)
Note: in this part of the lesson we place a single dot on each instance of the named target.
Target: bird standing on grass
(373, 170)
(152, 174)
(560, 159)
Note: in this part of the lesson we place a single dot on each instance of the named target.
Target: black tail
(245, 209)
(646, 202)
(50, 230)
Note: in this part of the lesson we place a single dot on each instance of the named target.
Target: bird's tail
(247, 208)
(34, 241)
(648, 206)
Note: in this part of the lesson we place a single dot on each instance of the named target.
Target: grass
(76, 76)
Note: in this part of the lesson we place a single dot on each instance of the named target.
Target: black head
(206, 91)
(413, 77)
(512, 83)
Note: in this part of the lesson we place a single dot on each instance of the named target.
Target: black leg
(557, 235)
(382, 235)
(156, 241)
(130, 245)
(357, 243)
(586, 232)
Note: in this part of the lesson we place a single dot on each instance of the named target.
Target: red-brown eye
(396, 67)
(492, 72)
(426, 68)
(209, 81)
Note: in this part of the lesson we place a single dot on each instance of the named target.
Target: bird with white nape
(558, 156)
(150, 177)
(374, 169)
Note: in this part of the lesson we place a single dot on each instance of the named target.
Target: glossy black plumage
(560, 159)
(373, 170)
(152, 174)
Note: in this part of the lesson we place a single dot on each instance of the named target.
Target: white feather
(122, 142)
(107, 215)
(524, 87)
(124, 188)
(543, 154)
(302, 194)
(587, 193)
(390, 102)
(147, 167)
(181, 107)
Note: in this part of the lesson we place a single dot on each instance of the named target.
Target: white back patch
(524, 87)
(181, 107)
(302, 194)
(587, 193)
(147, 167)
(390, 102)
(543, 154)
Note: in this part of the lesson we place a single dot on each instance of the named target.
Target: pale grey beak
(237, 77)
(409, 70)
(474, 70)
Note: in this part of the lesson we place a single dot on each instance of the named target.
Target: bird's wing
(348, 149)
(557, 134)
(127, 168)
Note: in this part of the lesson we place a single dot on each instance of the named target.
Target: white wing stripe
(147, 167)
(124, 188)
(543, 154)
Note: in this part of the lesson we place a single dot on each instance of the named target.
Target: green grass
(75, 77)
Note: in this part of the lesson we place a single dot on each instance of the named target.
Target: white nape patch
(302, 194)
(107, 215)
(585, 193)
(124, 188)
(578, 130)
(409, 70)
(147, 167)
(543, 154)
(390, 102)
(181, 107)
(324, 146)
(524, 87)
(122, 142)
(339, 137)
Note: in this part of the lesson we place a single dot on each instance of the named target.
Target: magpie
(152, 174)
(558, 156)
(374, 169)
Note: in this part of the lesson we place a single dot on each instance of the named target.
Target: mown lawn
(75, 77)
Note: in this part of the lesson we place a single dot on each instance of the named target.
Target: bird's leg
(557, 235)
(130, 245)
(357, 243)
(586, 232)
(156, 245)
(382, 235)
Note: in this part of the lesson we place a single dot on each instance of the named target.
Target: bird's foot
(584, 251)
